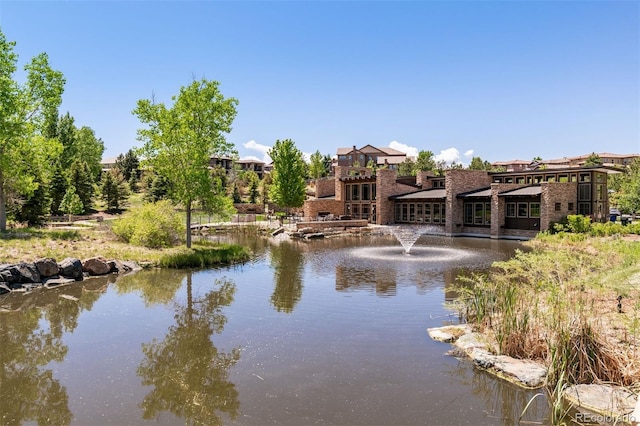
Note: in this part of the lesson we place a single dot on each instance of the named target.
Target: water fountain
(407, 235)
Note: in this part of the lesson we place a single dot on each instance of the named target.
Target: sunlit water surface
(328, 331)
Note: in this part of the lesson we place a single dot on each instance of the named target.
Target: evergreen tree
(80, 178)
(34, 210)
(57, 188)
(71, 202)
(114, 189)
(425, 162)
(407, 168)
(237, 198)
(129, 165)
(254, 192)
(157, 190)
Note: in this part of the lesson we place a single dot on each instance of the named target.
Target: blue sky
(495, 79)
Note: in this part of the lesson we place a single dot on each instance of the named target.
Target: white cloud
(469, 153)
(449, 156)
(264, 149)
(251, 158)
(409, 150)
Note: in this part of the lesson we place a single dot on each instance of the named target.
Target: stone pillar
(385, 185)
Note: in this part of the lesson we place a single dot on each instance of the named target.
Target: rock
(56, 281)
(314, 236)
(448, 334)
(607, 400)
(9, 274)
(471, 341)
(277, 231)
(28, 273)
(4, 288)
(96, 266)
(47, 267)
(528, 373)
(71, 268)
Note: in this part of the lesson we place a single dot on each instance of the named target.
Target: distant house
(608, 159)
(352, 157)
(230, 164)
(108, 163)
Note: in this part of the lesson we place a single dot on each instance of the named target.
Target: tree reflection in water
(189, 375)
(28, 392)
(288, 262)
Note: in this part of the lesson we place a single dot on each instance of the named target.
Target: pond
(328, 331)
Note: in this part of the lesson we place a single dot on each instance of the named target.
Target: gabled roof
(370, 149)
(391, 151)
(425, 194)
(391, 160)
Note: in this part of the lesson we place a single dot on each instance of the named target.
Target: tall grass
(200, 257)
(558, 304)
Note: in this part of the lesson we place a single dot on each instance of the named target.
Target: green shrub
(205, 257)
(606, 229)
(152, 225)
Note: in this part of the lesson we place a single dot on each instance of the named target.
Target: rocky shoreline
(595, 403)
(47, 272)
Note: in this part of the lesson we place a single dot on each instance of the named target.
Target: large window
(534, 209)
(523, 209)
(510, 210)
(420, 213)
(355, 192)
(366, 192)
(478, 213)
(584, 192)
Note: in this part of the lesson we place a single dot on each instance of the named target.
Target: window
(523, 209)
(347, 189)
(570, 207)
(366, 192)
(398, 211)
(497, 180)
(584, 192)
(419, 214)
(478, 213)
(599, 192)
(520, 179)
(443, 213)
(534, 209)
(365, 211)
(355, 211)
(355, 192)
(585, 177)
(436, 213)
(373, 192)
(412, 212)
(487, 213)
(584, 209)
(508, 180)
(558, 206)
(510, 210)
(427, 213)
(468, 213)
(537, 179)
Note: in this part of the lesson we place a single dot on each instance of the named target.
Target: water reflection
(287, 260)
(28, 390)
(505, 402)
(189, 375)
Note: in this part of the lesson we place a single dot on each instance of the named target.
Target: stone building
(516, 204)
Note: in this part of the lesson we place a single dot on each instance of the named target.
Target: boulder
(609, 401)
(9, 274)
(450, 333)
(520, 371)
(28, 273)
(47, 267)
(71, 268)
(96, 266)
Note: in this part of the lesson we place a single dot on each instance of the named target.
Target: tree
(478, 164)
(253, 181)
(593, 160)
(71, 202)
(288, 186)
(627, 188)
(235, 193)
(89, 149)
(407, 168)
(316, 166)
(129, 165)
(425, 162)
(179, 140)
(57, 188)
(80, 178)
(113, 189)
(25, 112)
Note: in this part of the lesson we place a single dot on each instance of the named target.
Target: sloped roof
(527, 190)
(483, 192)
(391, 160)
(425, 194)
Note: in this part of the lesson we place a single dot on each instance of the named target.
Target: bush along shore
(46, 272)
(563, 316)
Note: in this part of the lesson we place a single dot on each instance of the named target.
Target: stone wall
(556, 192)
(320, 224)
(312, 208)
(386, 186)
(325, 187)
(498, 206)
(458, 182)
(246, 208)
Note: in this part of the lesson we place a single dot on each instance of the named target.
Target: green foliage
(425, 162)
(316, 166)
(129, 165)
(180, 140)
(478, 164)
(407, 168)
(57, 188)
(254, 192)
(71, 202)
(201, 257)
(288, 186)
(152, 225)
(35, 208)
(80, 178)
(26, 113)
(235, 193)
(113, 189)
(79, 144)
(593, 160)
(158, 188)
(626, 188)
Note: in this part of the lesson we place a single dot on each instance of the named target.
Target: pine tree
(57, 189)
(113, 189)
(71, 202)
(80, 179)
